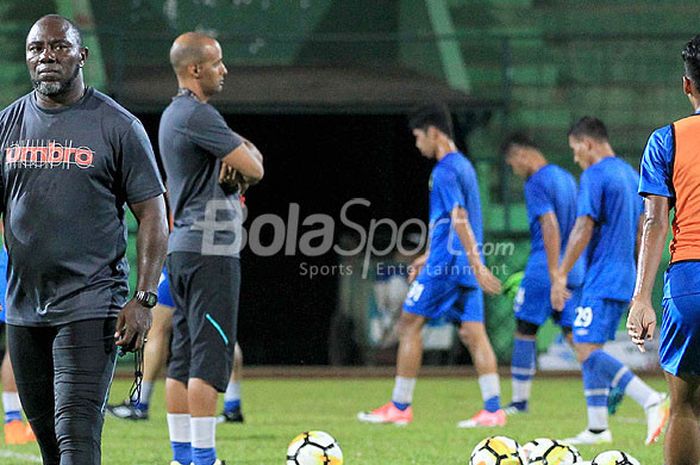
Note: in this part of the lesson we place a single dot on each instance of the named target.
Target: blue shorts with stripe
(679, 343)
(164, 296)
(597, 319)
(532, 304)
(435, 298)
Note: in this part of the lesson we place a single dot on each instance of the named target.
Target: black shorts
(205, 291)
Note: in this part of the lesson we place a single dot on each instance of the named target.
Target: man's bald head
(71, 30)
(191, 48)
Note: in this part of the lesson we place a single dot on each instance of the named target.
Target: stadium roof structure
(304, 89)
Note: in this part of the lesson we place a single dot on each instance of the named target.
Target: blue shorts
(533, 304)
(597, 319)
(3, 281)
(435, 298)
(164, 296)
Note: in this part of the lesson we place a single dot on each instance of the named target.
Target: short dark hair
(520, 139)
(691, 60)
(591, 127)
(436, 114)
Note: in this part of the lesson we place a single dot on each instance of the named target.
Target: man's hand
(133, 323)
(232, 181)
(415, 267)
(641, 323)
(558, 293)
(488, 282)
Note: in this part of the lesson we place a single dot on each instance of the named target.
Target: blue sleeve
(537, 200)
(655, 169)
(590, 196)
(446, 186)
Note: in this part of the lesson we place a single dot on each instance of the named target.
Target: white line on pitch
(24, 457)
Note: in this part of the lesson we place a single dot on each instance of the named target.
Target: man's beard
(53, 88)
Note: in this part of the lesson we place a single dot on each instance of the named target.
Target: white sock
(403, 390)
(641, 392)
(146, 391)
(597, 418)
(203, 432)
(490, 386)
(233, 391)
(10, 402)
(521, 390)
(179, 427)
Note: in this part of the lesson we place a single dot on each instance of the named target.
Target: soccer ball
(496, 450)
(528, 448)
(314, 448)
(614, 457)
(554, 453)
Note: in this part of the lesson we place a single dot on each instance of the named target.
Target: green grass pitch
(277, 410)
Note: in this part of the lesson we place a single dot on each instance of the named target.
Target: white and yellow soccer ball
(614, 457)
(554, 453)
(528, 448)
(496, 450)
(314, 448)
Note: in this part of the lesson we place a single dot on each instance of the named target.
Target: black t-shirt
(67, 175)
(193, 138)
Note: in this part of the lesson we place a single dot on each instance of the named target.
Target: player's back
(609, 191)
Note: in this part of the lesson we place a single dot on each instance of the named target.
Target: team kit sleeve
(140, 177)
(590, 196)
(208, 130)
(655, 168)
(537, 201)
(446, 186)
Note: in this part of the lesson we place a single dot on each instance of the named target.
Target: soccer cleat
(657, 417)
(18, 433)
(484, 419)
(515, 408)
(387, 413)
(232, 416)
(127, 411)
(589, 438)
(615, 399)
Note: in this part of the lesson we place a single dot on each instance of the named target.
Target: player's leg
(523, 366)
(16, 431)
(212, 318)
(232, 397)
(472, 333)
(682, 443)
(84, 361)
(34, 375)
(178, 416)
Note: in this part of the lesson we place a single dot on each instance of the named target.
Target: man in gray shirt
(199, 150)
(72, 159)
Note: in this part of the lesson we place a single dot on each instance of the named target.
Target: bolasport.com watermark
(373, 247)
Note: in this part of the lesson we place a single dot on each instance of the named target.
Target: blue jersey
(452, 183)
(608, 195)
(550, 190)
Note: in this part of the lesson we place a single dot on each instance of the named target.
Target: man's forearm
(653, 240)
(578, 241)
(151, 247)
(464, 231)
(552, 241)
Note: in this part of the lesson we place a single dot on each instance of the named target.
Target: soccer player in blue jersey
(608, 223)
(449, 279)
(550, 198)
(670, 179)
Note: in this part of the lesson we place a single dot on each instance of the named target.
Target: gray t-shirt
(67, 175)
(193, 138)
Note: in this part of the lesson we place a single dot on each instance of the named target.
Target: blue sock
(616, 374)
(231, 405)
(523, 367)
(400, 406)
(182, 452)
(204, 456)
(596, 388)
(13, 416)
(493, 404)
(143, 406)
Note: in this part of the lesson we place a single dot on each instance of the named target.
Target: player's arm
(552, 241)
(134, 320)
(487, 281)
(642, 317)
(247, 160)
(640, 229)
(578, 241)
